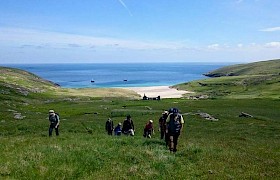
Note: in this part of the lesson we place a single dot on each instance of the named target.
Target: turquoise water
(119, 75)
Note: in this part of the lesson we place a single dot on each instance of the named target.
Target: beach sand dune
(162, 91)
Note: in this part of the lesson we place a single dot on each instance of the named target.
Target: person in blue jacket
(118, 129)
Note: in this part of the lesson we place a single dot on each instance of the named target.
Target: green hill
(25, 83)
(253, 80)
(271, 67)
(207, 149)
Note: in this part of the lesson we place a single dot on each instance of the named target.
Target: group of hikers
(127, 128)
(170, 127)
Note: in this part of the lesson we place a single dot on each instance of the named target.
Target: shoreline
(155, 91)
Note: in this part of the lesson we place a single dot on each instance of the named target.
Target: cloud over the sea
(31, 44)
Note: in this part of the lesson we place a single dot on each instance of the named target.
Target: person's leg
(171, 142)
(131, 132)
(50, 130)
(162, 133)
(150, 133)
(175, 140)
(167, 139)
(56, 131)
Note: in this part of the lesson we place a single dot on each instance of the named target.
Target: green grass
(233, 147)
(235, 87)
(256, 68)
(230, 148)
(242, 81)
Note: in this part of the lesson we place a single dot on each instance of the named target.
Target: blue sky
(111, 31)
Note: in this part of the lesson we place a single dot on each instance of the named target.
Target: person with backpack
(175, 124)
(162, 124)
(118, 129)
(109, 126)
(54, 122)
(149, 129)
(128, 126)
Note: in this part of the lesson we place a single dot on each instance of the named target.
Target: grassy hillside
(26, 83)
(271, 67)
(253, 80)
(231, 148)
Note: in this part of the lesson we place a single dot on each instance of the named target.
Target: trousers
(52, 126)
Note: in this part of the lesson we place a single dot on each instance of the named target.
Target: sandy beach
(162, 91)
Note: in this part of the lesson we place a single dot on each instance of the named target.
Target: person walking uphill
(128, 126)
(175, 123)
(109, 126)
(162, 124)
(149, 129)
(54, 122)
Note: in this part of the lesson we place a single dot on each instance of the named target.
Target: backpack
(54, 119)
(174, 125)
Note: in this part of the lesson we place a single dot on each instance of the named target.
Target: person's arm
(58, 120)
(167, 123)
(182, 123)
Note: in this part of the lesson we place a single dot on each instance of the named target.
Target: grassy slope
(253, 80)
(256, 68)
(24, 82)
(233, 147)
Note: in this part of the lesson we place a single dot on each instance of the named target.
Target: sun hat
(151, 121)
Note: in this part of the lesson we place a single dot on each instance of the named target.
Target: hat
(175, 111)
(120, 124)
(165, 112)
(151, 121)
(51, 111)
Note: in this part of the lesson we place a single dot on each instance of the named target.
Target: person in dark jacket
(54, 122)
(162, 124)
(175, 123)
(128, 126)
(109, 126)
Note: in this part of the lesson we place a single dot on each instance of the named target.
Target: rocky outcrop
(207, 116)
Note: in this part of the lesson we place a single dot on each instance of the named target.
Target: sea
(119, 74)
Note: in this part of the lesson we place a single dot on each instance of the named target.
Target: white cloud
(240, 45)
(272, 45)
(271, 29)
(19, 37)
(33, 45)
(124, 5)
(214, 46)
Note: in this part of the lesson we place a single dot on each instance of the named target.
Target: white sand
(162, 91)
